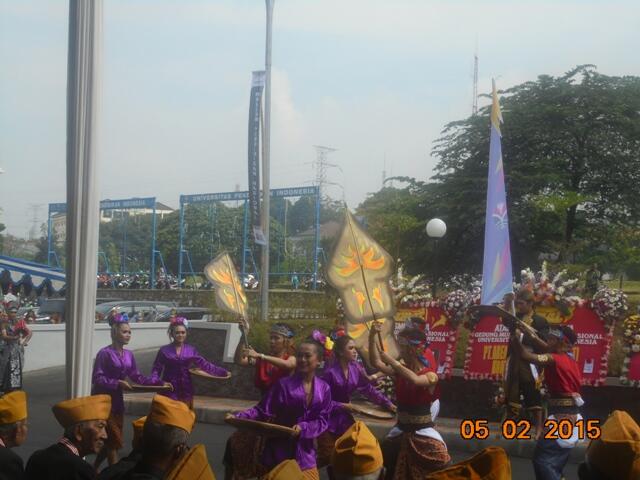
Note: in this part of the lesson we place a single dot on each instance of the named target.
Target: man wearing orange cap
(127, 463)
(287, 470)
(13, 432)
(616, 454)
(84, 420)
(491, 463)
(165, 435)
(357, 456)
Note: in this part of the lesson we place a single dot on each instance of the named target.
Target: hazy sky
(374, 79)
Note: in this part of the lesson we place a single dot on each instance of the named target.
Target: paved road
(47, 387)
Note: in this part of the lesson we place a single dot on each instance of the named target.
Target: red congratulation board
(442, 340)
(487, 348)
(633, 374)
(592, 348)
(486, 353)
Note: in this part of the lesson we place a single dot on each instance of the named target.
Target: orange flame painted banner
(230, 294)
(360, 270)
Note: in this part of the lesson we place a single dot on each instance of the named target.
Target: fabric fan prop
(360, 270)
(230, 294)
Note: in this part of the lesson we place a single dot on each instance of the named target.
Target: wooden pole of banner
(364, 279)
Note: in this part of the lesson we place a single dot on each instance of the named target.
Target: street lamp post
(266, 152)
(435, 229)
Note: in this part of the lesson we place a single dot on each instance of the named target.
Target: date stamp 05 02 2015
(520, 429)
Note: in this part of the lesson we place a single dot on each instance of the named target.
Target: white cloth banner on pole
(83, 200)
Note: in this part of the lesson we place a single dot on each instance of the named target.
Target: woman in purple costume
(345, 376)
(173, 362)
(301, 401)
(112, 367)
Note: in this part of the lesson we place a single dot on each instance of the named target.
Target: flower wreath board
(631, 347)
(441, 334)
(488, 341)
(442, 337)
(486, 352)
(593, 346)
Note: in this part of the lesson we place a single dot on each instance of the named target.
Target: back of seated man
(13, 432)
(357, 456)
(616, 454)
(165, 437)
(127, 463)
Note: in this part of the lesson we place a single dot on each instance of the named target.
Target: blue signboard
(147, 202)
(230, 196)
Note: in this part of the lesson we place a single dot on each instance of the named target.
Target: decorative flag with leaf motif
(360, 270)
(230, 294)
(497, 277)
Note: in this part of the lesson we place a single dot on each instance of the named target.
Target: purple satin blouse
(342, 388)
(110, 367)
(174, 368)
(285, 404)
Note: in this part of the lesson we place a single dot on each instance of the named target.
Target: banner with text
(486, 353)
(592, 348)
(403, 314)
(442, 339)
(257, 86)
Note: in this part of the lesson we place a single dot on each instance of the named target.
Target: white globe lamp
(436, 228)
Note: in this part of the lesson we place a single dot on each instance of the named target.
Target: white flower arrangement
(610, 304)
(412, 293)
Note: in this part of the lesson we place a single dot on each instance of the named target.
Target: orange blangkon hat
(194, 465)
(492, 463)
(138, 427)
(13, 407)
(357, 452)
(82, 409)
(617, 451)
(171, 412)
(287, 470)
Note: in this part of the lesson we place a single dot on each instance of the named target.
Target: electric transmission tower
(320, 164)
(34, 208)
(474, 105)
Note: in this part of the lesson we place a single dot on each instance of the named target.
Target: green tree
(572, 142)
(571, 148)
(393, 217)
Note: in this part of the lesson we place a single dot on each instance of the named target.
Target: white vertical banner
(83, 200)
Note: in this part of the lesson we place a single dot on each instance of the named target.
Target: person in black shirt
(84, 420)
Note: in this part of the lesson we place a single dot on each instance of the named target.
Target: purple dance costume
(174, 368)
(112, 366)
(341, 389)
(285, 404)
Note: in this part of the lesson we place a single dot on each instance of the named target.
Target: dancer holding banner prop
(563, 380)
(280, 361)
(413, 448)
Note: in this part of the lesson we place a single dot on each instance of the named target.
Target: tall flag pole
(497, 277)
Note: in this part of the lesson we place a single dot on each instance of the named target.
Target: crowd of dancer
(311, 393)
